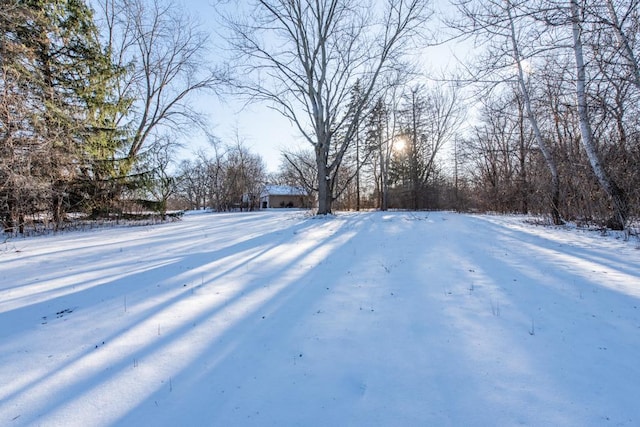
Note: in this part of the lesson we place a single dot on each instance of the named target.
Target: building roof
(282, 190)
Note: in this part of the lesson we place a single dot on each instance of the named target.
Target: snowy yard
(280, 319)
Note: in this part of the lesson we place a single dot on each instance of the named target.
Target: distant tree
(230, 178)
(192, 182)
(498, 153)
(380, 136)
(245, 175)
(17, 148)
(427, 118)
(160, 183)
(215, 171)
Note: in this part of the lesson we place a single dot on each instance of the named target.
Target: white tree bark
(620, 208)
(533, 121)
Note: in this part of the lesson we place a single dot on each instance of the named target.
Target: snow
(363, 319)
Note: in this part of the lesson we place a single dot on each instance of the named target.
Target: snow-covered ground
(281, 319)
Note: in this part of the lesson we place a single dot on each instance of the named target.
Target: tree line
(541, 118)
(229, 179)
(554, 88)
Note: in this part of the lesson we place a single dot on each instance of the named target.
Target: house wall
(283, 201)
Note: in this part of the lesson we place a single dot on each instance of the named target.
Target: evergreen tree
(58, 112)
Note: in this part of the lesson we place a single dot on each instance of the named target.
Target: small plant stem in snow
(495, 308)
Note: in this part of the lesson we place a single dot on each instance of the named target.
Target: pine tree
(59, 111)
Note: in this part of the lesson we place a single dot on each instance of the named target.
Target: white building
(283, 196)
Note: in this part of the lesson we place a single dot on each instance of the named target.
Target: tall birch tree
(618, 198)
(498, 23)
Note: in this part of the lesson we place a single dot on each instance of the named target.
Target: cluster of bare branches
(231, 179)
(304, 58)
(396, 159)
(559, 83)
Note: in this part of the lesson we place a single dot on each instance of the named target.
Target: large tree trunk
(325, 187)
(618, 198)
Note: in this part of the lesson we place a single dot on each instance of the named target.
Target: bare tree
(441, 119)
(379, 140)
(165, 51)
(619, 201)
(192, 183)
(215, 172)
(303, 57)
(383, 140)
(533, 120)
(498, 153)
(161, 183)
(244, 175)
(499, 23)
